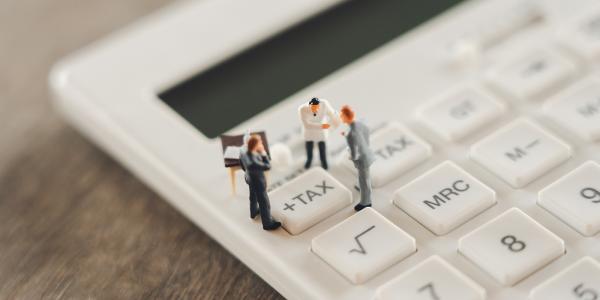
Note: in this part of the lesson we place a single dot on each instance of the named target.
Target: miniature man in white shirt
(317, 118)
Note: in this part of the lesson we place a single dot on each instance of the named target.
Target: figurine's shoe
(307, 165)
(324, 165)
(359, 207)
(253, 214)
(274, 225)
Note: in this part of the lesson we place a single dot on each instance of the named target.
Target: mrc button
(396, 151)
(444, 198)
(308, 199)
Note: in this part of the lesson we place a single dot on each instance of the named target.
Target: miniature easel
(234, 164)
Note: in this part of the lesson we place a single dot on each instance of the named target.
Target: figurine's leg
(364, 181)
(253, 203)
(309, 153)
(265, 211)
(323, 155)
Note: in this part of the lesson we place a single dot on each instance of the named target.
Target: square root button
(396, 151)
(308, 199)
(444, 198)
(363, 245)
(520, 152)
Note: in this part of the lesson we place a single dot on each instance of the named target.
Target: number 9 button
(575, 199)
(511, 247)
(581, 281)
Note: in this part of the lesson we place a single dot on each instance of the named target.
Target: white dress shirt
(311, 122)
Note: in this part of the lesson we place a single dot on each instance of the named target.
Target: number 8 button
(511, 247)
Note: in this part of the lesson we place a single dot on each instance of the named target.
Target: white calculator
(484, 117)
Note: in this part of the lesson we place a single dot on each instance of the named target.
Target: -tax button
(396, 151)
(308, 199)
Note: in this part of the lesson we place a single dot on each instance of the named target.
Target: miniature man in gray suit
(360, 154)
(255, 162)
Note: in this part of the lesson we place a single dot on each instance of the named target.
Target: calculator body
(110, 91)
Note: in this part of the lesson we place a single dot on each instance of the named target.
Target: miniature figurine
(361, 155)
(254, 161)
(312, 115)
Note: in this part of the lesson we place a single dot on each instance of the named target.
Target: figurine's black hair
(314, 101)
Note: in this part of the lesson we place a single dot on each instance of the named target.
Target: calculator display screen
(234, 91)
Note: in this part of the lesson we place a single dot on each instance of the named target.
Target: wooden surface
(73, 223)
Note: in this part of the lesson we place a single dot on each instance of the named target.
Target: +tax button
(308, 199)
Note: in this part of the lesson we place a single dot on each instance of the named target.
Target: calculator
(484, 119)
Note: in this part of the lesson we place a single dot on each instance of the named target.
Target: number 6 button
(432, 279)
(511, 246)
(581, 281)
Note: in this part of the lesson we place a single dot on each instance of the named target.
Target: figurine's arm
(245, 162)
(353, 146)
(265, 163)
(256, 164)
(333, 117)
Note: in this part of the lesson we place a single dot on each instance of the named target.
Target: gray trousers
(364, 183)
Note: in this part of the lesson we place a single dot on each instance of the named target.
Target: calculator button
(520, 152)
(575, 198)
(582, 35)
(511, 246)
(578, 109)
(580, 281)
(444, 198)
(434, 278)
(533, 75)
(396, 150)
(308, 199)
(363, 245)
(461, 112)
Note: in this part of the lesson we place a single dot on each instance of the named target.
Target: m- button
(308, 199)
(396, 150)
(520, 152)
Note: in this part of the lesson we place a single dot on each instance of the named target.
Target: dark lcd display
(224, 96)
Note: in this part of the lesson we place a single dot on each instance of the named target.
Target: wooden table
(73, 223)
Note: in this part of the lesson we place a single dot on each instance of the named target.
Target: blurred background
(73, 223)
